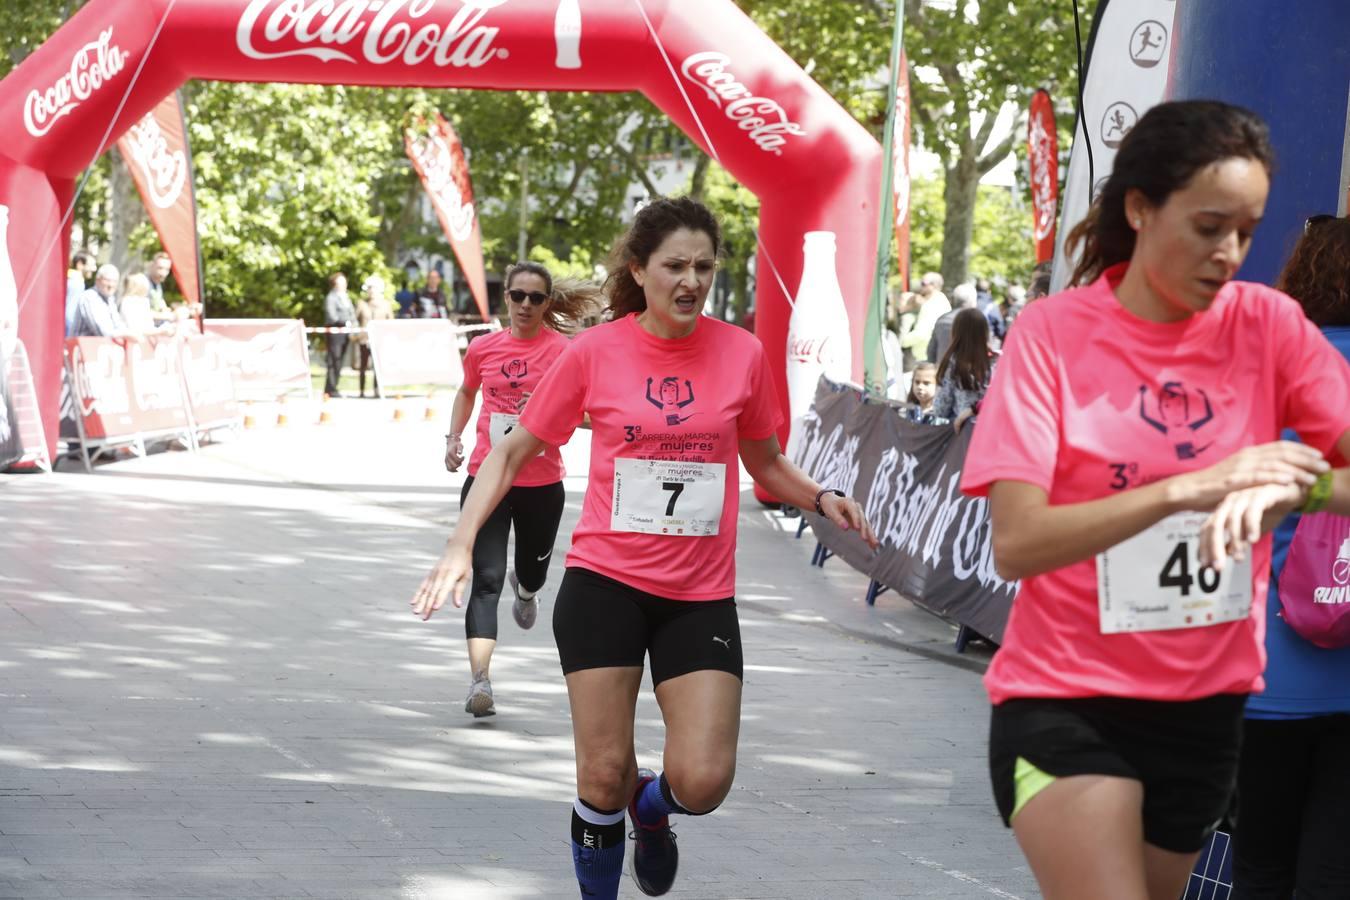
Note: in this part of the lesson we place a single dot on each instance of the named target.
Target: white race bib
(653, 496)
(500, 425)
(1154, 582)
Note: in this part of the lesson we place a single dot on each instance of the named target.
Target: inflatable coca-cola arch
(724, 82)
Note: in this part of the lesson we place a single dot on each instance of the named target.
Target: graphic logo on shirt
(672, 396)
(1338, 593)
(515, 371)
(1181, 413)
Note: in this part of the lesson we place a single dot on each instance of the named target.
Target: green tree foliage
(296, 182)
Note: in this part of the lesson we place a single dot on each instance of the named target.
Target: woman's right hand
(454, 452)
(449, 576)
(1279, 463)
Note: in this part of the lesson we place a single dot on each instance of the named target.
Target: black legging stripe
(535, 513)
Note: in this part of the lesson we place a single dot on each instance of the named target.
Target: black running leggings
(535, 513)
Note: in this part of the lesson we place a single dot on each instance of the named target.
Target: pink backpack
(1315, 583)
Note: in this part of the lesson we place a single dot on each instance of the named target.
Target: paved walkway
(211, 686)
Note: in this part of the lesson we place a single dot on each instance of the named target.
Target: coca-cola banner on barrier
(268, 358)
(936, 543)
(706, 64)
(438, 157)
(156, 152)
(1125, 75)
(209, 382)
(1043, 160)
(125, 387)
(416, 351)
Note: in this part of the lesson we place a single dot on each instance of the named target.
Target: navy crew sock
(597, 850)
(657, 801)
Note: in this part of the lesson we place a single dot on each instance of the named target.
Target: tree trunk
(958, 194)
(740, 290)
(124, 213)
(698, 182)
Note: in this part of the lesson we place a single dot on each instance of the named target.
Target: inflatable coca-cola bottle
(567, 34)
(818, 335)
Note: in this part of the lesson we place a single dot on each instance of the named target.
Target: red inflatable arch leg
(729, 87)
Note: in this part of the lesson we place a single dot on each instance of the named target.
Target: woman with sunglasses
(676, 399)
(508, 365)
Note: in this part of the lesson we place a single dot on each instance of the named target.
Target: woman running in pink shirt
(675, 398)
(507, 366)
(1122, 413)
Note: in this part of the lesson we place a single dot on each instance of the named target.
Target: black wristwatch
(823, 492)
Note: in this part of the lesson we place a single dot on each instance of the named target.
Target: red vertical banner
(438, 157)
(900, 142)
(156, 151)
(1043, 156)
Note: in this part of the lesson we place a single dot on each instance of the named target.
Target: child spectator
(963, 375)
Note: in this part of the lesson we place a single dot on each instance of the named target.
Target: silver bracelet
(454, 435)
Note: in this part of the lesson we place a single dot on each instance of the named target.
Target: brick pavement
(210, 687)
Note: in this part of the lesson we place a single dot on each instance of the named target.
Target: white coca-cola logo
(165, 173)
(102, 380)
(155, 377)
(765, 120)
(436, 159)
(1042, 180)
(94, 65)
(386, 31)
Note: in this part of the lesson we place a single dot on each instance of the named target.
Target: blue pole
(1290, 63)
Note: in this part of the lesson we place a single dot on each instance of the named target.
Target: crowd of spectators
(114, 306)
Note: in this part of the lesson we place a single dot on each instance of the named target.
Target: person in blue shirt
(1294, 772)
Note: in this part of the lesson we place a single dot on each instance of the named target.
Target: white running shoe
(525, 611)
(479, 701)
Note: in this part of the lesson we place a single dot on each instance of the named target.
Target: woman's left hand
(966, 416)
(846, 513)
(1242, 518)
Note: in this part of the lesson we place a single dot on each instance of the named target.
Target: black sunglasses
(536, 298)
(1311, 221)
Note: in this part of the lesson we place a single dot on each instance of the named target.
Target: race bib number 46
(667, 497)
(1154, 581)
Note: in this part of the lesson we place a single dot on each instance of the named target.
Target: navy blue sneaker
(655, 856)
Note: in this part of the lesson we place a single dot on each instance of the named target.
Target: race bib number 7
(654, 496)
(1154, 581)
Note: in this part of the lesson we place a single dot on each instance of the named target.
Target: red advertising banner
(208, 381)
(125, 387)
(156, 151)
(1043, 156)
(438, 157)
(267, 358)
(416, 351)
(900, 143)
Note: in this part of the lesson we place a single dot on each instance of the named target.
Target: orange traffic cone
(248, 415)
(325, 413)
(282, 419)
(398, 407)
(430, 414)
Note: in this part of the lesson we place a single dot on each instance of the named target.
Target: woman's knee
(606, 780)
(700, 785)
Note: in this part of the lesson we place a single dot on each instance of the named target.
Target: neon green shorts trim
(1028, 781)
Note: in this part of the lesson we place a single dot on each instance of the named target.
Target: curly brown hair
(1317, 274)
(655, 222)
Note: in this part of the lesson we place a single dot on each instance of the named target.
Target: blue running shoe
(655, 856)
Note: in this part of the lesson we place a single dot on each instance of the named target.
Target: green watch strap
(1318, 494)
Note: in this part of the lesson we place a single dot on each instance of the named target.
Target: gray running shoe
(479, 701)
(525, 611)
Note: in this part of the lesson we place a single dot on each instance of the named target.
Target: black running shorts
(1184, 753)
(599, 622)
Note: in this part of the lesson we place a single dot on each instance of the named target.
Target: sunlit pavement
(211, 686)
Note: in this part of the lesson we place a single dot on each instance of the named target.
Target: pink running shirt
(688, 400)
(1088, 400)
(506, 367)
